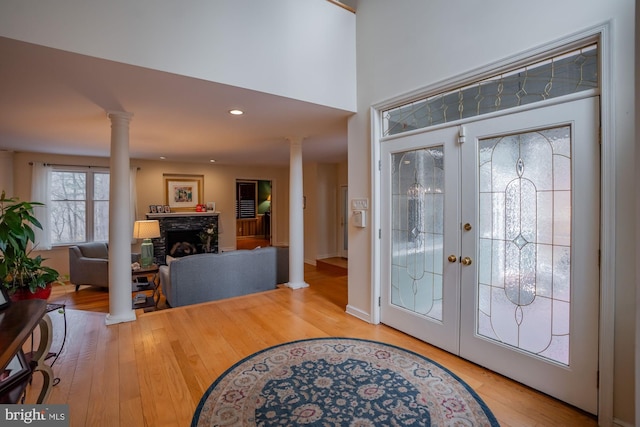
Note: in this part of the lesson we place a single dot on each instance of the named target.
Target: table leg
(39, 356)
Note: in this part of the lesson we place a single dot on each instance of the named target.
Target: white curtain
(40, 192)
(133, 214)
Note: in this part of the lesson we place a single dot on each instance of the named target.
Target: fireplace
(183, 242)
(184, 227)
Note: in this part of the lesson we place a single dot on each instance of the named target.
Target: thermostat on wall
(359, 219)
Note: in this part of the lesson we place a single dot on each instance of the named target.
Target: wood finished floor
(153, 372)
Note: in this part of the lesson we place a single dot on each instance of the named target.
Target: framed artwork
(183, 192)
(16, 370)
(167, 209)
(153, 209)
(4, 298)
(160, 208)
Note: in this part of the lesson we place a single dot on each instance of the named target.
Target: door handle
(466, 261)
(452, 258)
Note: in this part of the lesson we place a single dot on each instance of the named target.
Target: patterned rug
(340, 382)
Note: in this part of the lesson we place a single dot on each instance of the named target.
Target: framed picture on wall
(183, 192)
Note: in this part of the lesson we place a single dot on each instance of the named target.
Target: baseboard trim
(356, 312)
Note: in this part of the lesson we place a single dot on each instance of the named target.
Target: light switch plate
(359, 204)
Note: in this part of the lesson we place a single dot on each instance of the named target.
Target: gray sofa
(208, 277)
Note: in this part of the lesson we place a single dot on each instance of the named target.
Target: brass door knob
(452, 258)
(466, 261)
(467, 227)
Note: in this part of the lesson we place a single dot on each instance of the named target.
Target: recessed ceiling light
(236, 112)
(162, 157)
(212, 161)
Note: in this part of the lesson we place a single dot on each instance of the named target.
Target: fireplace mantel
(180, 221)
(175, 214)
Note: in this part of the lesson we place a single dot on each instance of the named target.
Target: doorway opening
(253, 213)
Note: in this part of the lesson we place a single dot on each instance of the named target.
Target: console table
(17, 322)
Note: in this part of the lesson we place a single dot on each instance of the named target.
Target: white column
(296, 218)
(120, 309)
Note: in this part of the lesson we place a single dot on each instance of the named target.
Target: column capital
(119, 115)
(297, 140)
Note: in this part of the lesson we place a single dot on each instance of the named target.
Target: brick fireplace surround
(180, 221)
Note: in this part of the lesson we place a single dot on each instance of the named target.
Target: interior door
(517, 214)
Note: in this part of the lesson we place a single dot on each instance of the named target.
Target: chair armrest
(165, 282)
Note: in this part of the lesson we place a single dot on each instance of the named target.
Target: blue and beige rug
(340, 382)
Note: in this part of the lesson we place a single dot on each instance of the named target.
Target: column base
(296, 285)
(127, 317)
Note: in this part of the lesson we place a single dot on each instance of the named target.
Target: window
(563, 74)
(246, 192)
(79, 206)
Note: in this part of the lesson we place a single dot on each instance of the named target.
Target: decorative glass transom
(524, 253)
(572, 72)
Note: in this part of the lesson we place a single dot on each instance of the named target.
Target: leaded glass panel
(564, 74)
(524, 262)
(418, 231)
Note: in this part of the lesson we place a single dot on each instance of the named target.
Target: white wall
(410, 44)
(301, 50)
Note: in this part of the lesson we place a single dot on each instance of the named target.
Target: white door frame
(601, 33)
(343, 219)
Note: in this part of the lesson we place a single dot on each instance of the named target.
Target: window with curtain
(79, 205)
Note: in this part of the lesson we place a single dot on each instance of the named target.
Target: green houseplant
(19, 271)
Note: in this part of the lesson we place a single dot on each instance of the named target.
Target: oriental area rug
(340, 382)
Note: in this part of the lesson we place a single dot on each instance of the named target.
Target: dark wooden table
(150, 302)
(17, 323)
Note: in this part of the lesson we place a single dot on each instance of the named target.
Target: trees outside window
(79, 206)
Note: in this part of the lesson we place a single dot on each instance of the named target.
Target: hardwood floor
(153, 372)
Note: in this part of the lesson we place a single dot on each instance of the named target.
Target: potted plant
(22, 275)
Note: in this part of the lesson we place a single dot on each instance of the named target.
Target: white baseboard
(620, 423)
(356, 312)
(331, 255)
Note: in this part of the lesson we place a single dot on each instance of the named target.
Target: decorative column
(120, 309)
(296, 218)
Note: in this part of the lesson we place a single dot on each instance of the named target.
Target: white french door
(490, 244)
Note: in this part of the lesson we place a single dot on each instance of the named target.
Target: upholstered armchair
(89, 264)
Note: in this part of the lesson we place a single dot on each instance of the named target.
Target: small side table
(138, 286)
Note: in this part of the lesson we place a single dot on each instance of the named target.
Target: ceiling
(52, 101)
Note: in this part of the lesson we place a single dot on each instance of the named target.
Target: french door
(490, 244)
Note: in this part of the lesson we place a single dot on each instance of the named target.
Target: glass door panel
(529, 300)
(420, 294)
